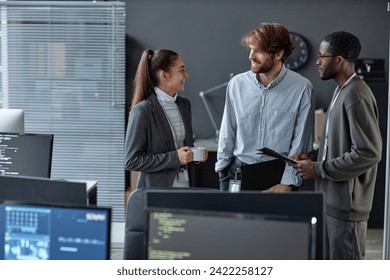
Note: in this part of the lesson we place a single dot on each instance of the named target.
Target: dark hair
(270, 38)
(146, 76)
(344, 44)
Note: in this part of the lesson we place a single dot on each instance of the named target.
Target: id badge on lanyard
(182, 174)
(235, 184)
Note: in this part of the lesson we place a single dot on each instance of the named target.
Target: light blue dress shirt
(279, 116)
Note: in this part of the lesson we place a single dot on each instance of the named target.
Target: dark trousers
(254, 177)
(346, 240)
(227, 174)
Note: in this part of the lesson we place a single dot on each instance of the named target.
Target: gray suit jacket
(150, 146)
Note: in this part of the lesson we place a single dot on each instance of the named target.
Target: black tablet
(272, 153)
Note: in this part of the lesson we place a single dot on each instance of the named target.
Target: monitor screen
(49, 232)
(26, 154)
(201, 235)
(42, 190)
(292, 204)
(12, 120)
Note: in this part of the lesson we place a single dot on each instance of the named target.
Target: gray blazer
(150, 147)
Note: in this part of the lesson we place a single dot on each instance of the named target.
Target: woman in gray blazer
(159, 131)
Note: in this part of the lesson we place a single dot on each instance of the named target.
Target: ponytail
(145, 77)
(143, 84)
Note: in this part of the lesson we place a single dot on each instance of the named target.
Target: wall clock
(300, 54)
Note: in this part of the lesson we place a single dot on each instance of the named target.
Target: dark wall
(207, 34)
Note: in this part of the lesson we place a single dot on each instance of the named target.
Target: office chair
(134, 243)
(135, 224)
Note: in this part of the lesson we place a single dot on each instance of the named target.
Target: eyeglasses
(321, 56)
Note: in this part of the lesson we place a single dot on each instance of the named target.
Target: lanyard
(335, 96)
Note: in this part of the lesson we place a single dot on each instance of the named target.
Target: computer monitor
(42, 190)
(12, 120)
(292, 204)
(203, 235)
(26, 154)
(54, 232)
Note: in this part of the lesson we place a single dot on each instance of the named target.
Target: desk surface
(90, 185)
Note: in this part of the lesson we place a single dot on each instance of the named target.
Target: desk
(92, 192)
(206, 177)
(91, 189)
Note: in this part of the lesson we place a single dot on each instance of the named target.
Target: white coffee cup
(198, 153)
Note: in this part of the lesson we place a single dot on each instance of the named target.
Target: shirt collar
(164, 97)
(281, 75)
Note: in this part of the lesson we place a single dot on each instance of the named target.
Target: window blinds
(63, 62)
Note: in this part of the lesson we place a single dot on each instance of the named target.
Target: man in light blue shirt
(268, 106)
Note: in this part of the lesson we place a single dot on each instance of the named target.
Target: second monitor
(211, 235)
(26, 154)
(42, 190)
(295, 205)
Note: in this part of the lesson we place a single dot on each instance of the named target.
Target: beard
(262, 67)
(326, 75)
